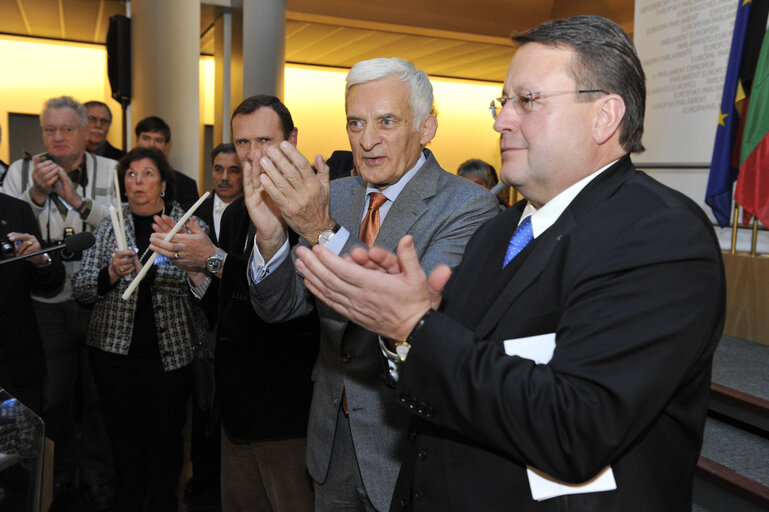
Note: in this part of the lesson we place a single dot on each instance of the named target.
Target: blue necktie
(521, 238)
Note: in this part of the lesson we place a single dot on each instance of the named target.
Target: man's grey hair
(420, 88)
(66, 102)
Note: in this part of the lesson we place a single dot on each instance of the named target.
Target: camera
(7, 248)
(67, 255)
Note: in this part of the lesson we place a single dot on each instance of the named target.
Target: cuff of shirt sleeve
(85, 208)
(393, 361)
(199, 291)
(35, 204)
(336, 244)
(258, 269)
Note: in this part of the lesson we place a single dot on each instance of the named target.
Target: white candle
(119, 236)
(169, 236)
(120, 213)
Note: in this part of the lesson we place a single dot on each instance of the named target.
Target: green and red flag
(752, 191)
(749, 30)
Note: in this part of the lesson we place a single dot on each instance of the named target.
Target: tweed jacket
(100, 189)
(177, 317)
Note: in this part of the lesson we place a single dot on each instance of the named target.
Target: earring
(163, 194)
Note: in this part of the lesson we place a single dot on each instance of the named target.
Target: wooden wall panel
(747, 297)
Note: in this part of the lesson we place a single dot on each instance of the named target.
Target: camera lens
(7, 248)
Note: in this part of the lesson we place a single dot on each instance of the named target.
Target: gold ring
(122, 269)
(176, 255)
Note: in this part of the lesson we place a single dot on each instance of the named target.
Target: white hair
(66, 102)
(420, 88)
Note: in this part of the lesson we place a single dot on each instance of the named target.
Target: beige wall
(35, 69)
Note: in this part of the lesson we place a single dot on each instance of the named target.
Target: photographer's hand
(29, 243)
(44, 177)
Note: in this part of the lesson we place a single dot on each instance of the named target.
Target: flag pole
(754, 241)
(734, 229)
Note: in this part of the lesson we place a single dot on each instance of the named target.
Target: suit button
(418, 494)
(346, 358)
(403, 504)
(422, 454)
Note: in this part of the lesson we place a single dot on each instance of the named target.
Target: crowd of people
(371, 332)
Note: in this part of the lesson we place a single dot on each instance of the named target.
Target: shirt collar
(544, 217)
(219, 205)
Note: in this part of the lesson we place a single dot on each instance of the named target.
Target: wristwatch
(326, 236)
(215, 263)
(403, 346)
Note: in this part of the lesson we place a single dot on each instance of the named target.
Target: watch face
(402, 350)
(325, 236)
(213, 265)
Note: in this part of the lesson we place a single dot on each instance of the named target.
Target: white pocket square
(535, 348)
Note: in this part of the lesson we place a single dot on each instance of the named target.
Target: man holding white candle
(70, 191)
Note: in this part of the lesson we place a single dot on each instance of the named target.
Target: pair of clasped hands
(374, 288)
(48, 177)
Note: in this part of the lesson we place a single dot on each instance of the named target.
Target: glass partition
(22, 451)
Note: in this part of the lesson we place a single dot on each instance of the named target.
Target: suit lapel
(477, 280)
(409, 206)
(350, 212)
(513, 283)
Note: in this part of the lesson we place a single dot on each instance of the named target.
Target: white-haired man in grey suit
(356, 429)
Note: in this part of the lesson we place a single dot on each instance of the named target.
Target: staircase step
(742, 365)
(733, 470)
(740, 409)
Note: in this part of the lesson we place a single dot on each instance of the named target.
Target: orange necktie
(369, 228)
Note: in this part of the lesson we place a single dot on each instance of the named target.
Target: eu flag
(723, 172)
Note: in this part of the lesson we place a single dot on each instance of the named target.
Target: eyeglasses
(99, 120)
(523, 103)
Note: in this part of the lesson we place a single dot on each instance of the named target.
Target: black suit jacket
(186, 188)
(109, 151)
(263, 370)
(630, 281)
(205, 213)
(21, 352)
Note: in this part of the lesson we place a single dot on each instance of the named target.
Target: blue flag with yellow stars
(722, 172)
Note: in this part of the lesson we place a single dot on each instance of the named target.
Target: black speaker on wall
(119, 58)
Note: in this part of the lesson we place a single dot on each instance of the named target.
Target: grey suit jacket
(441, 211)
